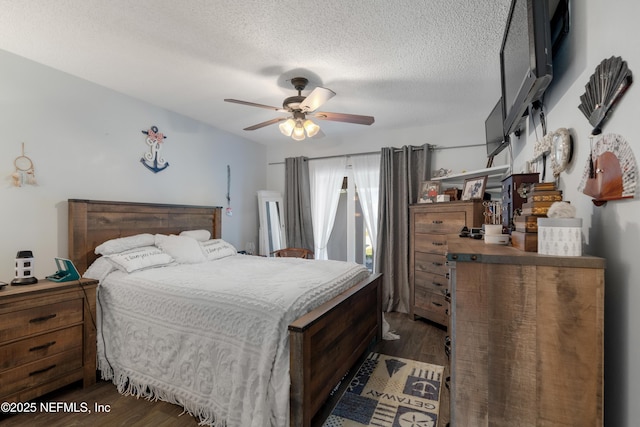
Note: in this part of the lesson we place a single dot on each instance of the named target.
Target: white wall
(600, 29)
(86, 142)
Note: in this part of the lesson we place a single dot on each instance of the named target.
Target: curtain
(401, 172)
(325, 179)
(297, 201)
(366, 175)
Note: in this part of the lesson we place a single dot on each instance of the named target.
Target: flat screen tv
(526, 66)
(496, 139)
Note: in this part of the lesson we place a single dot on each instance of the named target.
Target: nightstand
(47, 337)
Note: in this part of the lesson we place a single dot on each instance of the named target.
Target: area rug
(390, 392)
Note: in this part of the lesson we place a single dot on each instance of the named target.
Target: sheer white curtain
(325, 182)
(366, 174)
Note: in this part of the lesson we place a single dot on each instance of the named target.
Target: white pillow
(199, 235)
(183, 249)
(140, 258)
(217, 248)
(99, 269)
(121, 244)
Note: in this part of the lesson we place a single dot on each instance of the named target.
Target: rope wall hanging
(25, 171)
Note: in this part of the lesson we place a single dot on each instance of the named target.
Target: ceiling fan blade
(267, 123)
(341, 117)
(253, 104)
(316, 98)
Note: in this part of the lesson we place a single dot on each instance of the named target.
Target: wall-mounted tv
(493, 126)
(526, 66)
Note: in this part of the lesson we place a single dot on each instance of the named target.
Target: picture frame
(453, 193)
(429, 191)
(474, 188)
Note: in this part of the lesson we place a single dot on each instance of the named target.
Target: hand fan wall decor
(606, 86)
(611, 171)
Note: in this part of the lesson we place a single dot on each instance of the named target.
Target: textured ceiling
(406, 62)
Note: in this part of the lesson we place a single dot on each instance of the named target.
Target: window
(350, 239)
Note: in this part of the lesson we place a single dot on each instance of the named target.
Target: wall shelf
(495, 175)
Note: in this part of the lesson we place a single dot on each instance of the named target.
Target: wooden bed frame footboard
(324, 344)
(327, 342)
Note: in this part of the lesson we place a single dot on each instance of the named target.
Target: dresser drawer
(39, 372)
(430, 243)
(432, 305)
(432, 263)
(431, 282)
(439, 222)
(40, 319)
(34, 348)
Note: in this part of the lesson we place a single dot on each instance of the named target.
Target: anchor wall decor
(152, 160)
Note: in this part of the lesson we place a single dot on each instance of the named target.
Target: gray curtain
(297, 202)
(401, 172)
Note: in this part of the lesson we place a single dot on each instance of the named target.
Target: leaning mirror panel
(270, 209)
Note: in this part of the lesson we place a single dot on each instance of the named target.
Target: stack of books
(539, 199)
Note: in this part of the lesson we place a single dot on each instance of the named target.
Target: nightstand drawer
(439, 222)
(40, 371)
(35, 348)
(38, 319)
(431, 263)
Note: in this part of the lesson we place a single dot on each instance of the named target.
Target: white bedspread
(213, 336)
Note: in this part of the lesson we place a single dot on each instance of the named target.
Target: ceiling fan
(297, 125)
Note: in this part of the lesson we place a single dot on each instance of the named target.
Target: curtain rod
(333, 157)
(433, 148)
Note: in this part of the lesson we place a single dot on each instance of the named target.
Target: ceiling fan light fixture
(298, 132)
(287, 127)
(311, 128)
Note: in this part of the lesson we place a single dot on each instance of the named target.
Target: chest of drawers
(527, 337)
(429, 226)
(47, 337)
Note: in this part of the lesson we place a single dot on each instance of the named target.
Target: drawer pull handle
(447, 346)
(43, 346)
(437, 264)
(437, 221)
(437, 304)
(43, 318)
(436, 284)
(48, 368)
(438, 243)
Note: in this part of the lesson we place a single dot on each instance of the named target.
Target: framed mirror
(271, 210)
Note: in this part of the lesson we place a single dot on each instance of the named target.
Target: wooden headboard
(93, 222)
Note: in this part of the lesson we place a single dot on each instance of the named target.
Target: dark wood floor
(419, 340)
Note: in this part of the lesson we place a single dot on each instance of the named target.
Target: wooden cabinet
(430, 224)
(47, 337)
(526, 337)
(511, 199)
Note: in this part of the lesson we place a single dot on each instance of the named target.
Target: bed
(323, 343)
